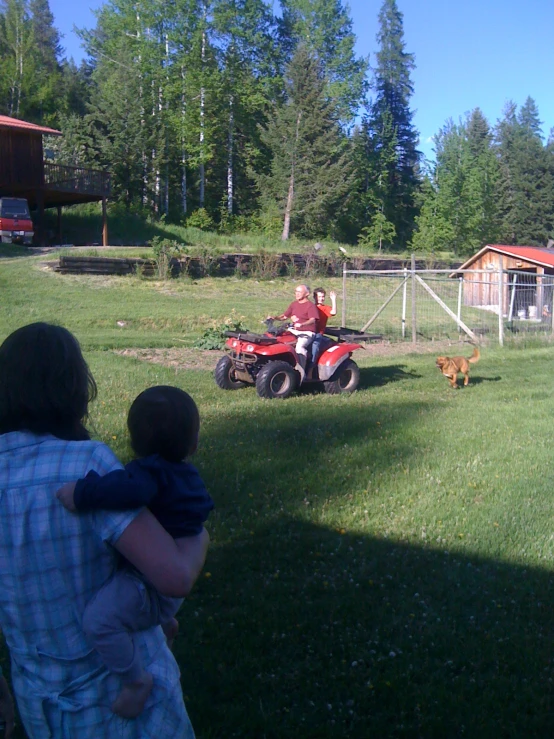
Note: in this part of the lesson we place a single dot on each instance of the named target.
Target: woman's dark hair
(45, 384)
(316, 291)
(164, 420)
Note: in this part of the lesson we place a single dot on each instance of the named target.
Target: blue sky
(475, 53)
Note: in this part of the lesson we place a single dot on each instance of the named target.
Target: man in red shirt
(304, 317)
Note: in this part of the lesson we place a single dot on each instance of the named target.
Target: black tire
(345, 380)
(225, 375)
(276, 380)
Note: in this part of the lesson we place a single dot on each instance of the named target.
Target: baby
(163, 424)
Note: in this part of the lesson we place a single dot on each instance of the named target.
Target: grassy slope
(381, 563)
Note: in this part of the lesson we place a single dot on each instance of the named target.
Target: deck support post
(104, 222)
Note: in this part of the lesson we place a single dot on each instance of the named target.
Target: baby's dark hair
(164, 420)
(45, 383)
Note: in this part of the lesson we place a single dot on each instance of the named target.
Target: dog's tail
(475, 356)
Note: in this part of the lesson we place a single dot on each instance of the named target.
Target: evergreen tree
(310, 175)
(527, 193)
(42, 99)
(394, 158)
(460, 210)
(325, 28)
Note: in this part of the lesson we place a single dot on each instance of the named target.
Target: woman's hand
(7, 711)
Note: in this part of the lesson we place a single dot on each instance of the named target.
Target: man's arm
(171, 566)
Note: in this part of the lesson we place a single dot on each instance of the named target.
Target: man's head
(301, 293)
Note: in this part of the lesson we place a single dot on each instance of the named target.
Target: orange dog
(451, 366)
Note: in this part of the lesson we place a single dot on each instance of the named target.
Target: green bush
(201, 219)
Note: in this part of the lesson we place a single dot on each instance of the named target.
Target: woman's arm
(171, 566)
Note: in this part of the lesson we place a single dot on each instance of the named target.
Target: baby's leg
(122, 606)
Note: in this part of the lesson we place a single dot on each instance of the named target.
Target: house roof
(539, 255)
(15, 123)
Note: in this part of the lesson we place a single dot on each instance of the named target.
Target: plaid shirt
(51, 563)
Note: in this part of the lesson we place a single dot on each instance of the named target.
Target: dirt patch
(202, 359)
(180, 358)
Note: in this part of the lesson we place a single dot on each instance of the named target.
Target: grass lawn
(381, 564)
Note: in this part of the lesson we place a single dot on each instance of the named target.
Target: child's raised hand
(65, 496)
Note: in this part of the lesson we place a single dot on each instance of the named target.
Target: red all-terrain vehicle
(268, 361)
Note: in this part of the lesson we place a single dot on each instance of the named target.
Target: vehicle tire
(345, 380)
(225, 375)
(276, 380)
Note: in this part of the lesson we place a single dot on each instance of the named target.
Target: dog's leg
(466, 379)
(454, 381)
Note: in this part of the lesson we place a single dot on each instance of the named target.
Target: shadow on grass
(477, 380)
(298, 630)
(303, 632)
(13, 251)
(379, 376)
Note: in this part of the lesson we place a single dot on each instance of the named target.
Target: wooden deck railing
(76, 179)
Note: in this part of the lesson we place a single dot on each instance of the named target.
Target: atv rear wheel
(345, 380)
(224, 374)
(276, 380)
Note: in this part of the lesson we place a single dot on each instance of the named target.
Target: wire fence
(493, 306)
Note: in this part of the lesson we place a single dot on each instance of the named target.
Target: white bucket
(532, 311)
(521, 314)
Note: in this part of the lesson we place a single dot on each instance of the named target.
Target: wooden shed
(25, 174)
(527, 278)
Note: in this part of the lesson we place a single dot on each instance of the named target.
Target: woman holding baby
(53, 562)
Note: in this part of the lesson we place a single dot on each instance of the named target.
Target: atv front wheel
(224, 374)
(345, 380)
(276, 380)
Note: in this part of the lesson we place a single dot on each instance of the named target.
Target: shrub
(201, 219)
(165, 250)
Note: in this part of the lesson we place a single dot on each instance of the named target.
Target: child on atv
(164, 424)
(324, 313)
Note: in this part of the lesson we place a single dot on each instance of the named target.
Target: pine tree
(527, 193)
(460, 210)
(394, 157)
(325, 28)
(310, 175)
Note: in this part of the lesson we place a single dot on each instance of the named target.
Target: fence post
(460, 291)
(414, 331)
(404, 296)
(343, 321)
(501, 302)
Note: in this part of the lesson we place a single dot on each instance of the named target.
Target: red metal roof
(7, 122)
(537, 254)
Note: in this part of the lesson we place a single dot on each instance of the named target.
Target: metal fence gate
(430, 305)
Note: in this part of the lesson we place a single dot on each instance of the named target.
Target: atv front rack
(251, 338)
(351, 335)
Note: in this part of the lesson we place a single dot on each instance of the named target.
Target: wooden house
(526, 281)
(25, 174)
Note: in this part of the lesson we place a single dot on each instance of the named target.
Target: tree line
(226, 114)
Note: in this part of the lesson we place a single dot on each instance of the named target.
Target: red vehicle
(16, 226)
(268, 361)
